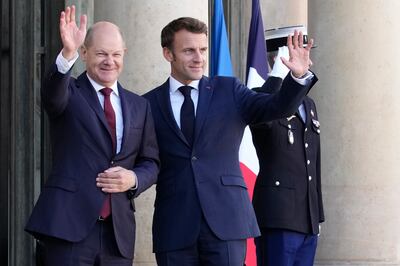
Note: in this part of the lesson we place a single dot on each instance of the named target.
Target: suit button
(277, 183)
(306, 145)
(309, 178)
(194, 158)
(308, 162)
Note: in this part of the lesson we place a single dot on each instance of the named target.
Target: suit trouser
(276, 247)
(99, 248)
(209, 250)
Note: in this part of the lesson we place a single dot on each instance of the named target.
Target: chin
(197, 76)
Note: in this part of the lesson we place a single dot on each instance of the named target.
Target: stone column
(358, 95)
(283, 13)
(145, 68)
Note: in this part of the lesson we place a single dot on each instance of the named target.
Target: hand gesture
(116, 179)
(72, 37)
(299, 56)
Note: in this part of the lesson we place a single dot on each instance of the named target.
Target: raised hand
(299, 56)
(72, 37)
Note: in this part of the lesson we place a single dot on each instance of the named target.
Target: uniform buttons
(112, 163)
(308, 162)
(309, 178)
(289, 126)
(277, 183)
(306, 145)
(305, 130)
(194, 158)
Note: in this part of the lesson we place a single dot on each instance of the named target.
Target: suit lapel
(205, 94)
(126, 107)
(89, 93)
(164, 101)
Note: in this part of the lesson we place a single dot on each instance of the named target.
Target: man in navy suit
(104, 152)
(203, 214)
(287, 195)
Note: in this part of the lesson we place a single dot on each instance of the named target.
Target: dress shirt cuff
(63, 65)
(304, 79)
(136, 181)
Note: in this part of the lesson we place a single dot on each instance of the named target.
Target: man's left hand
(116, 179)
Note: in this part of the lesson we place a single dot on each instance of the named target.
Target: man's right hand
(72, 37)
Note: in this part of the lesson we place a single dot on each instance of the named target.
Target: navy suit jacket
(287, 192)
(206, 179)
(70, 201)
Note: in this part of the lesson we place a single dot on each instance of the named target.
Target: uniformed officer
(287, 194)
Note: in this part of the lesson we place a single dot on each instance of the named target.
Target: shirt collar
(174, 85)
(98, 87)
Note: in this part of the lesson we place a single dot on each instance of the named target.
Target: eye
(203, 50)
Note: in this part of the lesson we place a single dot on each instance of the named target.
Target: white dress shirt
(177, 97)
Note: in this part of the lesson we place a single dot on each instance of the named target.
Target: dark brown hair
(185, 23)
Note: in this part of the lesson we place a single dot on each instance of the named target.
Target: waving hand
(299, 56)
(72, 37)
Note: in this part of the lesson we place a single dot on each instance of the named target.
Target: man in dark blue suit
(287, 195)
(203, 214)
(104, 152)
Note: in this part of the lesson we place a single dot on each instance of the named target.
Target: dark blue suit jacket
(206, 179)
(70, 201)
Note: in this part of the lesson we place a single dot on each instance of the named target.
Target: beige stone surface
(283, 13)
(358, 99)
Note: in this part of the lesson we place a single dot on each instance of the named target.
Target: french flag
(257, 73)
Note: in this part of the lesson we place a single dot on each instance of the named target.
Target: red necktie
(110, 117)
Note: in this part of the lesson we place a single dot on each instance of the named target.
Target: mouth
(107, 69)
(196, 68)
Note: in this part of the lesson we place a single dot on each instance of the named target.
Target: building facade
(358, 100)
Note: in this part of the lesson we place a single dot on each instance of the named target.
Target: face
(105, 55)
(188, 56)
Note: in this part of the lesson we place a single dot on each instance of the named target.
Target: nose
(198, 56)
(108, 60)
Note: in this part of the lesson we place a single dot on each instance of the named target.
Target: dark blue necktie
(187, 114)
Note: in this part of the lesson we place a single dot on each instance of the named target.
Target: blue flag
(257, 66)
(220, 63)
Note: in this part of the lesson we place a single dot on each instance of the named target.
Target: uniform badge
(290, 117)
(290, 136)
(316, 123)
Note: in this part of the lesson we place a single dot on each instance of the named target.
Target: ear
(168, 55)
(83, 53)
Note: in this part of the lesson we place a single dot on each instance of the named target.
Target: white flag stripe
(247, 152)
(254, 80)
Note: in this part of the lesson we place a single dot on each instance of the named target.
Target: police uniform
(287, 194)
